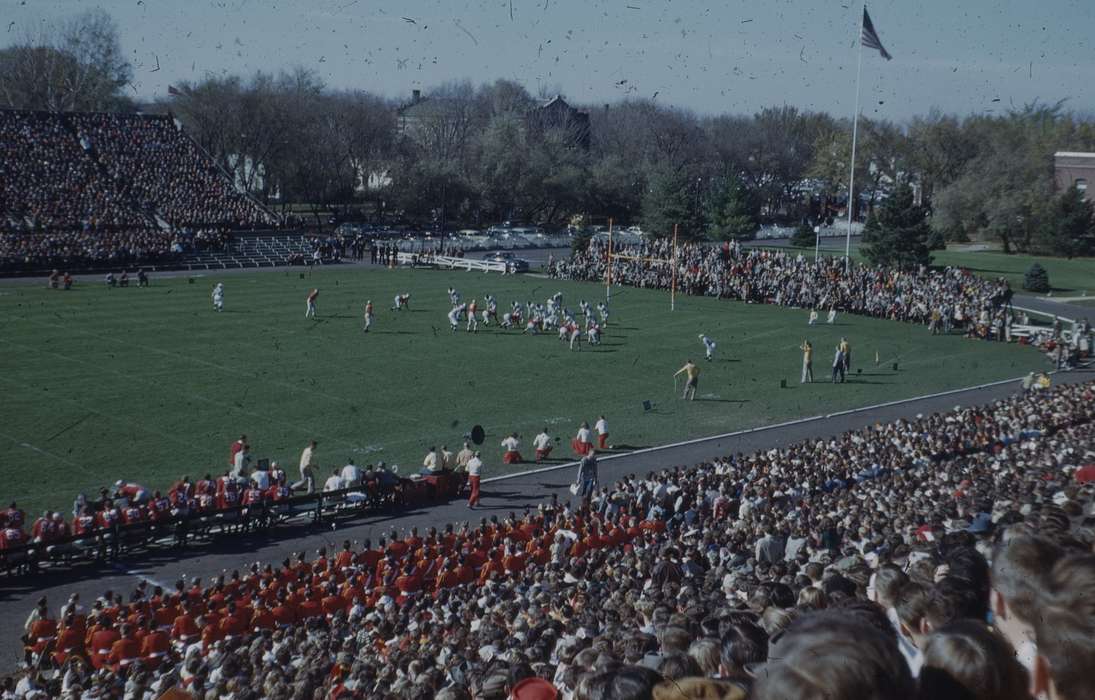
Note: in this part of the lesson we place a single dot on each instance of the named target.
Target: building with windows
(1074, 168)
(442, 121)
(558, 115)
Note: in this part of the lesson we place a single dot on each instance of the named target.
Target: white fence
(450, 263)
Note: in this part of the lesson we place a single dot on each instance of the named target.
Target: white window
(1081, 184)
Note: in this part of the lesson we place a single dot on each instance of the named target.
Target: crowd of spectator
(944, 557)
(75, 248)
(50, 181)
(163, 170)
(98, 187)
(960, 298)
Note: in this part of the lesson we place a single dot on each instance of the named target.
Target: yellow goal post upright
(662, 261)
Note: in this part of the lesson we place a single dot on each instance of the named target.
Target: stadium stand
(791, 279)
(942, 557)
(97, 189)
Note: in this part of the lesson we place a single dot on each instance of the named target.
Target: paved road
(500, 496)
(1051, 306)
(829, 243)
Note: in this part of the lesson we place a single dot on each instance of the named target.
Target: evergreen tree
(733, 213)
(1068, 225)
(579, 243)
(898, 232)
(672, 199)
(804, 236)
(1036, 279)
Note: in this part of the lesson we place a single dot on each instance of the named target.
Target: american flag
(174, 91)
(869, 37)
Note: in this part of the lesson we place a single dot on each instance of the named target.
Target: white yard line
(113, 419)
(47, 453)
(224, 368)
(197, 397)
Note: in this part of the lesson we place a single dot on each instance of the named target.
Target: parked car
(516, 264)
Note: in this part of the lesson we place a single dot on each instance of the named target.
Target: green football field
(148, 384)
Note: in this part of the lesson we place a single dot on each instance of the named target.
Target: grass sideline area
(1067, 277)
(147, 384)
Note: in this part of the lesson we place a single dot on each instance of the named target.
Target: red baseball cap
(534, 689)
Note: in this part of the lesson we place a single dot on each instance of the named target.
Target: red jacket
(123, 652)
(185, 629)
(154, 647)
(69, 641)
(100, 646)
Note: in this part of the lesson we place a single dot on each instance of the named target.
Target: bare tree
(72, 65)
(366, 132)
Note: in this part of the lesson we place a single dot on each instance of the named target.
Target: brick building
(1073, 168)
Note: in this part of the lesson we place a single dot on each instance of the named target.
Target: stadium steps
(251, 251)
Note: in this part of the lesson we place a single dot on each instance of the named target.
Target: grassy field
(1067, 277)
(148, 384)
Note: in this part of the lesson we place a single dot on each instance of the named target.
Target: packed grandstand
(97, 188)
(947, 556)
(792, 279)
(943, 556)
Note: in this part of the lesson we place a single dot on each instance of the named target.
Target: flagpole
(673, 286)
(855, 133)
(608, 268)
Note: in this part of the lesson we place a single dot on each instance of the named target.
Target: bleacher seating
(87, 190)
(252, 250)
(924, 558)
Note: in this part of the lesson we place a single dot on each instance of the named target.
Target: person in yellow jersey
(807, 361)
(692, 374)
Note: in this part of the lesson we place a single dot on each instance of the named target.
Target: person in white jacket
(601, 426)
(475, 466)
(542, 444)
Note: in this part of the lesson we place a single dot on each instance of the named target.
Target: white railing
(452, 263)
(1038, 333)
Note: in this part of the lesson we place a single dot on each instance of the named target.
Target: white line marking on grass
(747, 431)
(47, 453)
(229, 370)
(368, 449)
(144, 379)
(109, 417)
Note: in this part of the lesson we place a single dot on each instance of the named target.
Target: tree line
(473, 160)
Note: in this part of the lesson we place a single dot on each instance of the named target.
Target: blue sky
(717, 56)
